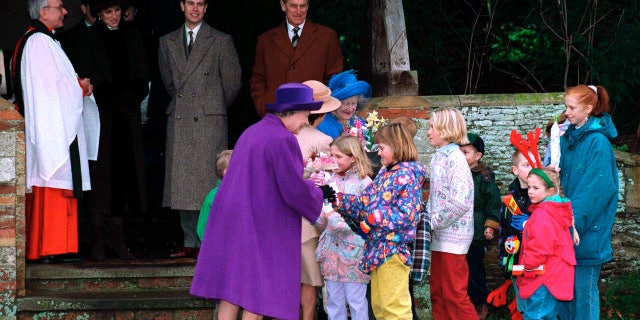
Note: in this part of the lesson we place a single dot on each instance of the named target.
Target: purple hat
(293, 97)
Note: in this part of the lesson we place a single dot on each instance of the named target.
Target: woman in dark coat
(119, 186)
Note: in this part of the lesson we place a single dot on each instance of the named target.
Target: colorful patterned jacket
(339, 248)
(394, 201)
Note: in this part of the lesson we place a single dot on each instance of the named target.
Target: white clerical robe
(53, 110)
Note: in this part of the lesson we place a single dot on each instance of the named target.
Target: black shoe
(70, 258)
(185, 252)
(44, 260)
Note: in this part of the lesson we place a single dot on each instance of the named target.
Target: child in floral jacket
(387, 212)
(340, 249)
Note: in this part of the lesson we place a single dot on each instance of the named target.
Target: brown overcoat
(202, 86)
(317, 57)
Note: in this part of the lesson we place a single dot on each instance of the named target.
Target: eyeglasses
(60, 7)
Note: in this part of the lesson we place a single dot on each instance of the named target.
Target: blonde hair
(222, 162)
(449, 123)
(408, 124)
(399, 140)
(351, 146)
(515, 157)
(551, 175)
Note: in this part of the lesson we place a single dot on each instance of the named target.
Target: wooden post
(385, 56)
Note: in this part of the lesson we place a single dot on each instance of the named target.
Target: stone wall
(493, 117)
(12, 160)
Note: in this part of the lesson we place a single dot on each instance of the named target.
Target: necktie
(190, 41)
(294, 39)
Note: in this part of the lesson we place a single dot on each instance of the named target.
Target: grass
(620, 299)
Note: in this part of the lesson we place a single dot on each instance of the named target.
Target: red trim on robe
(52, 222)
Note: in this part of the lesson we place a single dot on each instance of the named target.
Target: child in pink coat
(547, 256)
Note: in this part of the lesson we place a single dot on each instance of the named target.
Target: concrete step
(95, 277)
(114, 299)
(115, 304)
(138, 289)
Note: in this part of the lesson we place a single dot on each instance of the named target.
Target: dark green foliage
(346, 18)
(492, 46)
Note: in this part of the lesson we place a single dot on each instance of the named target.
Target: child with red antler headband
(520, 238)
(515, 204)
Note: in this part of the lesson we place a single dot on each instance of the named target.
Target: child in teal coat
(222, 162)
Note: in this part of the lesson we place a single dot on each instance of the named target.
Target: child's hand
(366, 225)
(518, 221)
(488, 233)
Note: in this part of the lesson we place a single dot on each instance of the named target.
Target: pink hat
(323, 93)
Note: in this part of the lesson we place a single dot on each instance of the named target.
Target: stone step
(93, 277)
(115, 304)
(138, 289)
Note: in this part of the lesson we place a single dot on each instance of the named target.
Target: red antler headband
(527, 145)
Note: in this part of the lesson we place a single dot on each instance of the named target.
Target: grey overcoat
(202, 85)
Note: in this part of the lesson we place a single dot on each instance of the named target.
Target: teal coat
(589, 177)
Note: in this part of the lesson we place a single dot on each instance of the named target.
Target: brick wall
(12, 182)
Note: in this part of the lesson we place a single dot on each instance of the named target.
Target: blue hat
(293, 97)
(345, 85)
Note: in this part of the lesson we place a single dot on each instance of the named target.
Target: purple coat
(250, 254)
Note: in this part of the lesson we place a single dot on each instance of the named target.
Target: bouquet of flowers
(366, 131)
(319, 161)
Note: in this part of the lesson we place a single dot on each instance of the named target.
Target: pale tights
(308, 300)
(229, 311)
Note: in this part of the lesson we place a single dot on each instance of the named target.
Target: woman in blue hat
(346, 88)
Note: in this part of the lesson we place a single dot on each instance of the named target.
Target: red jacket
(317, 57)
(546, 240)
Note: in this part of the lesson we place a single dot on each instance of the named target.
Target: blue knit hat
(345, 85)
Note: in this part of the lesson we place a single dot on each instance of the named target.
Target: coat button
(179, 95)
(195, 118)
(206, 73)
(193, 95)
(179, 117)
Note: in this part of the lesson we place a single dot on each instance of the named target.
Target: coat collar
(203, 43)
(280, 37)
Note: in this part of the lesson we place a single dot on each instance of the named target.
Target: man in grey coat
(201, 71)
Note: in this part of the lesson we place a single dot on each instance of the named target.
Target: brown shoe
(184, 252)
(482, 310)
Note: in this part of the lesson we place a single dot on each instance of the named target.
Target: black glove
(328, 193)
(353, 225)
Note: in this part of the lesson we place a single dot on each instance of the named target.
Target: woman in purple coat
(250, 254)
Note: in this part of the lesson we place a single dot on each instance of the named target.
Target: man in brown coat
(316, 55)
(201, 71)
